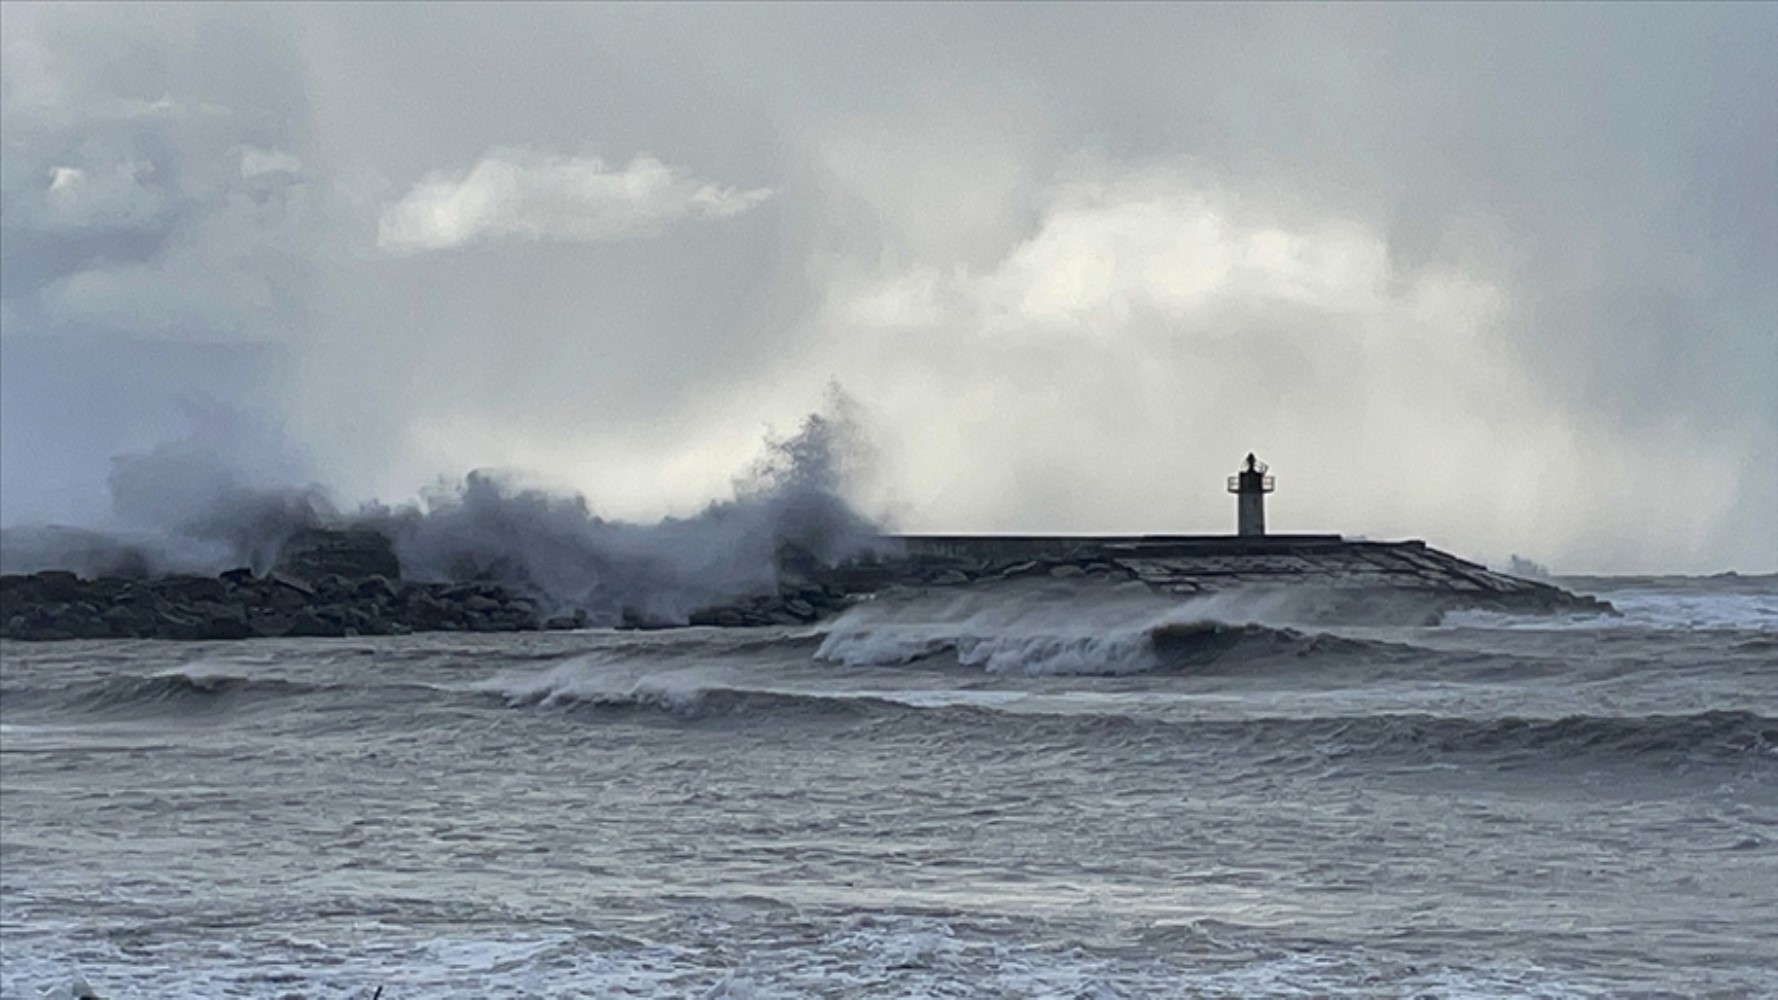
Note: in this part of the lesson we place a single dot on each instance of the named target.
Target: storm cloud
(1500, 277)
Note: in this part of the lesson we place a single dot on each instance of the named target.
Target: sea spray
(190, 511)
(1077, 628)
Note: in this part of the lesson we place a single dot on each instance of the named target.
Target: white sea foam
(1054, 653)
(1030, 631)
(597, 679)
(1664, 610)
(1757, 612)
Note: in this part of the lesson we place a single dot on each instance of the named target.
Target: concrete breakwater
(349, 583)
(1327, 577)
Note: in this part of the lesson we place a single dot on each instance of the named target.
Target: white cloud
(1150, 328)
(522, 194)
(120, 195)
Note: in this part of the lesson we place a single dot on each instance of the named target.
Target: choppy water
(1023, 794)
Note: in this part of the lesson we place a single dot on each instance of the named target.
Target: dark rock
(307, 623)
(288, 600)
(188, 589)
(269, 624)
(813, 596)
(377, 588)
(222, 621)
(79, 625)
(290, 583)
(124, 621)
(179, 625)
(58, 585)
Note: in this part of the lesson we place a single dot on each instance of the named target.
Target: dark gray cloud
(1502, 276)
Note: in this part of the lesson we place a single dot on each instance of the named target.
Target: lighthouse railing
(1266, 484)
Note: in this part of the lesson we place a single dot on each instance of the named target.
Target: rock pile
(236, 605)
(325, 583)
(792, 604)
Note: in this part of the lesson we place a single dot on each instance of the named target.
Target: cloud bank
(1153, 318)
(1499, 277)
(525, 194)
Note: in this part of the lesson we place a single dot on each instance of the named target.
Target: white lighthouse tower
(1250, 487)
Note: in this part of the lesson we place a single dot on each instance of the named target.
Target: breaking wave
(1167, 722)
(182, 507)
(1168, 647)
(1713, 736)
(700, 703)
(184, 690)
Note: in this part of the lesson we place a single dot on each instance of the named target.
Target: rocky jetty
(1324, 577)
(236, 605)
(325, 583)
(348, 582)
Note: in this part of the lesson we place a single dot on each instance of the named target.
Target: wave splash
(184, 509)
(198, 688)
(589, 683)
(1072, 631)
(172, 690)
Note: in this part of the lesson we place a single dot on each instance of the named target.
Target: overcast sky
(1504, 277)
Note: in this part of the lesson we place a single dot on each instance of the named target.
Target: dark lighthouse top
(1250, 487)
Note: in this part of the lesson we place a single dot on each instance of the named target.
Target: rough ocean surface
(1079, 791)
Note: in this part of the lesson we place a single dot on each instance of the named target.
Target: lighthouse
(1250, 487)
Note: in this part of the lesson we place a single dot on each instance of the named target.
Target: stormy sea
(1061, 792)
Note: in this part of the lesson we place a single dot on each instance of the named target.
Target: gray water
(1022, 794)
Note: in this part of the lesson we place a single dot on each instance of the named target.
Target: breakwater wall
(349, 583)
(1386, 582)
